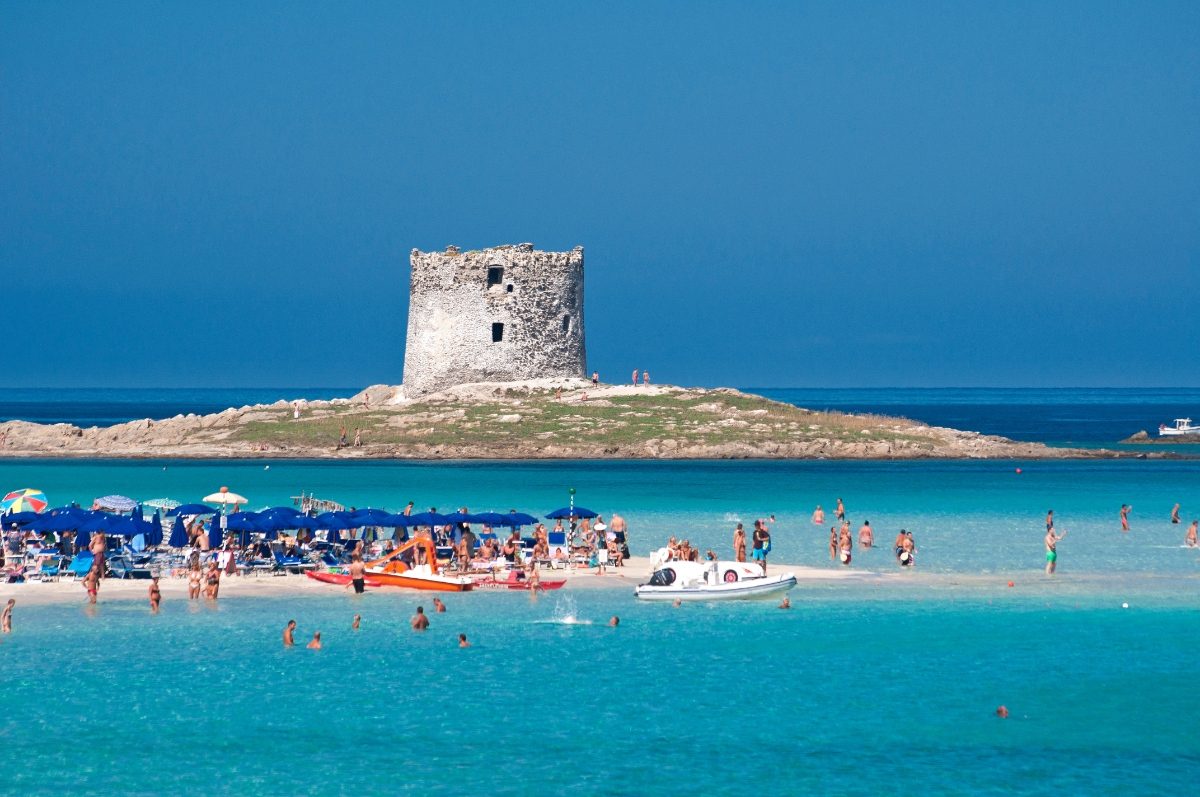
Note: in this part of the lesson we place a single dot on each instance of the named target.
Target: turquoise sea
(884, 684)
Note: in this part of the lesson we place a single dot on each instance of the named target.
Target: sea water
(884, 691)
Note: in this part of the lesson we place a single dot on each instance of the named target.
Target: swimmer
(419, 621)
(1190, 538)
(840, 511)
(462, 641)
(1002, 712)
(289, 631)
(1125, 510)
(1052, 550)
(1175, 513)
(866, 537)
(438, 606)
(818, 516)
(315, 644)
(6, 616)
(677, 603)
(786, 603)
(155, 595)
(614, 621)
(357, 620)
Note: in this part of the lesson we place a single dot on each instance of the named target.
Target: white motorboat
(712, 581)
(1182, 426)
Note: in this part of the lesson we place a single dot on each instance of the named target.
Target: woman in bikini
(194, 583)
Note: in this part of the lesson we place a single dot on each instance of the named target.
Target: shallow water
(857, 690)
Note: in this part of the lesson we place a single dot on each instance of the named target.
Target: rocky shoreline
(540, 419)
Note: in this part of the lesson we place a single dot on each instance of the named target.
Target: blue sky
(804, 194)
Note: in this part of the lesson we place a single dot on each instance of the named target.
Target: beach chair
(80, 565)
(291, 564)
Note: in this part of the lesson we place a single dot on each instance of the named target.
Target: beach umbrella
(332, 521)
(179, 537)
(161, 504)
(96, 521)
(224, 498)
(518, 519)
(303, 522)
(155, 535)
(460, 517)
(566, 512)
(368, 517)
(191, 510)
(114, 503)
(215, 532)
(18, 519)
(122, 527)
(427, 519)
(395, 521)
(24, 500)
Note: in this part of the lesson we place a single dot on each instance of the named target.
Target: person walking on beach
(155, 595)
(1175, 513)
(295, 410)
(289, 632)
(358, 574)
(1125, 509)
(358, 437)
(419, 621)
(595, 379)
(866, 537)
(1189, 539)
(1051, 541)
(818, 516)
(739, 544)
(6, 617)
(342, 437)
(645, 377)
(635, 376)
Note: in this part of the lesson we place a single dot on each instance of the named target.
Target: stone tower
(495, 315)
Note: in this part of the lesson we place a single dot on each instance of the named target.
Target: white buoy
(1124, 605)
(266, 467)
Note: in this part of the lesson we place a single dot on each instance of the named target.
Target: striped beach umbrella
(27, 500)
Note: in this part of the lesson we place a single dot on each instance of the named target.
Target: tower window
(495, 275)
(509, 289)
(497, 332)
(566, 323)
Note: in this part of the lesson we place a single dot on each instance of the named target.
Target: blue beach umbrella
(369, 517)
(155, 535)
(567, 512)
(460, 517)
(427, 519)
(192, 509)
(18, 518)
(518, 519)
(179, 537)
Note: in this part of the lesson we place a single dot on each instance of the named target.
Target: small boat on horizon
(710, 581)
(1183, 426)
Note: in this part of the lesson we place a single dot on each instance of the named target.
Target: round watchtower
(497, 315)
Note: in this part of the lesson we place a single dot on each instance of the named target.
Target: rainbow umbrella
(26, 500)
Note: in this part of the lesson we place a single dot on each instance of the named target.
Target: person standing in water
(6, 617)
(358, 571)
(833, 543)
(462, 641)
(840, 512)
(1125, 509)
(155, 595)
(315, 644)
(1175, 513)
(356, 623)
(760, 545)
(845, 545)
(1052, 540)
(289, 632)
(1190, 538)
(739, 544)
(866, 538)
(419, 621)
(818, 516)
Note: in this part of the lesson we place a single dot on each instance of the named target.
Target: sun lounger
(80, 565)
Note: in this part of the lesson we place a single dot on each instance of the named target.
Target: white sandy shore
(635, 572)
